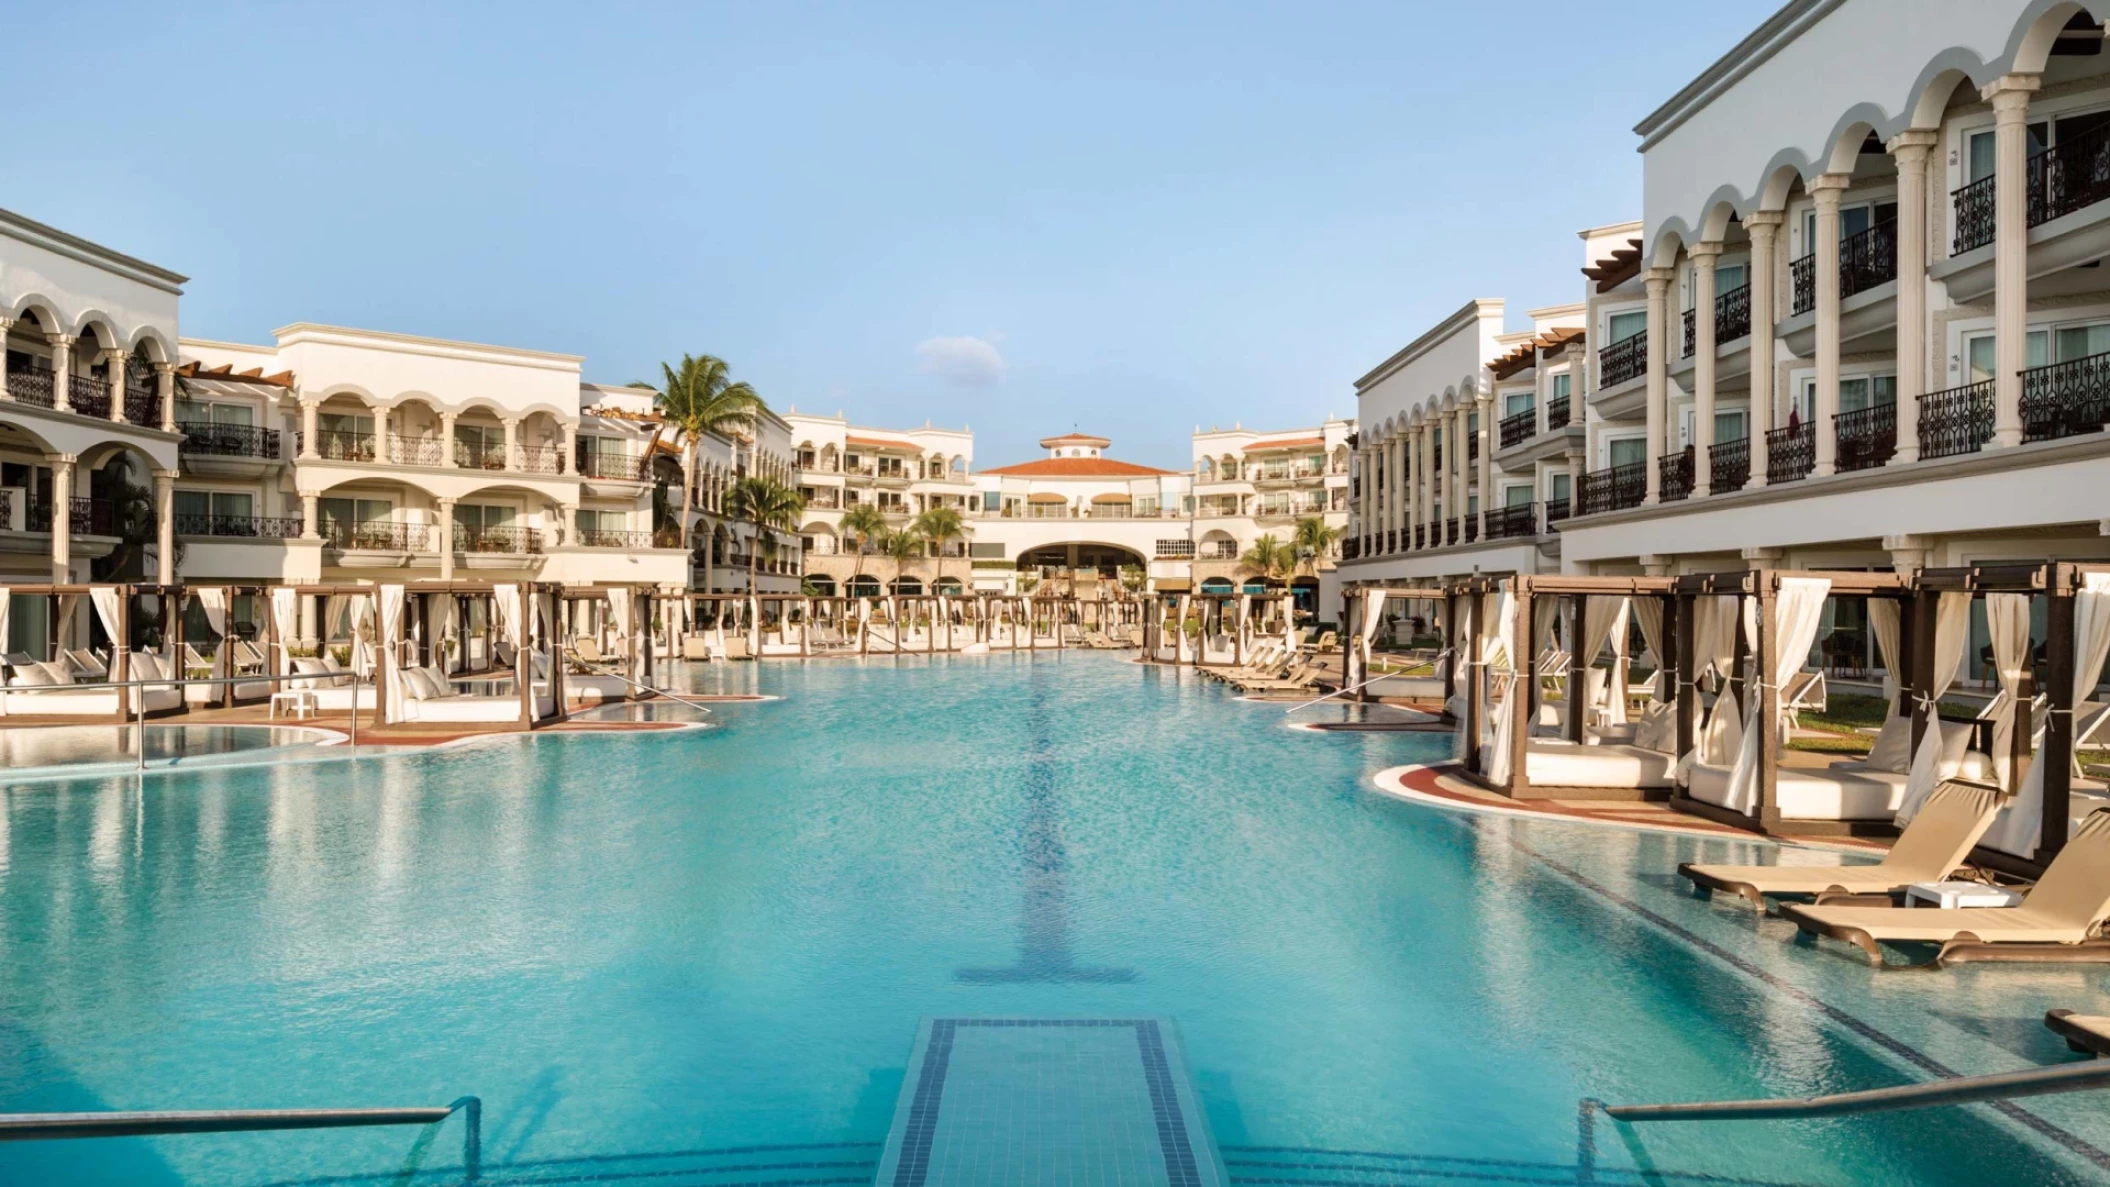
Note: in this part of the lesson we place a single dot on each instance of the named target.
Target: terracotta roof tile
(1078, 467)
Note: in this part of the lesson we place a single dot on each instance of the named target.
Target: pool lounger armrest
(1859, 938)
(1836, 894)
(2085, 1034)
(1702, 880)
(1964, 947)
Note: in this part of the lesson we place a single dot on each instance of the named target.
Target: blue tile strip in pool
(1047, 1101)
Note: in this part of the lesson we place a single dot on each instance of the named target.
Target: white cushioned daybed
(1871, 789)
(1557, 762)
(48, 689)
(428, 695)
(331, 684)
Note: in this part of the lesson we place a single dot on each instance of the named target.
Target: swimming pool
(721, 942)
(64, 749)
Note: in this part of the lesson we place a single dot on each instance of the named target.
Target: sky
(1130, 219)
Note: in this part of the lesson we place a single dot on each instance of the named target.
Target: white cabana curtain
(1179, 632)
(7, 600)
(1884, 624)
(285, 615)
(619, 617)
(512, 623)
(1604, 621)
(213, 601)
(754, 626)
(2007, 621)
(1495, 656)
(105, 602)
(450, 632)
(1952, 622)
(1648, 617)
(2020, 824)
(1373, 612)
(391, 625)
(1797, 611)
(1714, 634)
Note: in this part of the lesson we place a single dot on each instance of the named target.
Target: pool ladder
(26, 1127)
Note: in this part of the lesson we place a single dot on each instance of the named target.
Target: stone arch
(1936, 86)
(41, 310)
(1669, 245)
(2030, 44)
(1852, 130)
(149, 340)
(1721, 210)
(100, 326)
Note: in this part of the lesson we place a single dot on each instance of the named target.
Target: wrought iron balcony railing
(479, 455)
(608, 463)
(541, 459)
(241, 526)
(89, 396)
(31, 385)
(1504, 523)
(1555, 510)
(375, 537)
(1866, 437)
(2070, 175)
(1692, 338)
(207, 438)
(2066, 399)
(1674, 476)
(516, 540)
(1612, 489)
(1869, 258)
(1956, 420)
(339, 446)
(142, 405)
(1729, 466)
(1623, 360)
(1520, 427)
(1790, 454)
(1972, 210)
(1556, 414)
(85, 517)
(1732, 314)
(1802, 276)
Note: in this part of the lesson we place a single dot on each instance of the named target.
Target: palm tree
(767, 504)
(904, 546)
(938, 525)
(1269, 557)
(1313, 539)
(699, 397)
(868, 525)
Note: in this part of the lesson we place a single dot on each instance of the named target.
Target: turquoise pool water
(708, 942)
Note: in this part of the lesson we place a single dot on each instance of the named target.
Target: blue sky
(1132, 219)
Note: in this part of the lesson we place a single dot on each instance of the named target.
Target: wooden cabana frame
(1764, 585)
(1355, 673)
(118, 667)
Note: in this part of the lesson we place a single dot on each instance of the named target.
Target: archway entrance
(1104, 560)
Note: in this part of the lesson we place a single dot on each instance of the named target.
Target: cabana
(219, 651)
(414, 683)
(79, 681)
(607, 628)
(1746, 637)
(1363, 616)
(2048, 629)
(1586, 751)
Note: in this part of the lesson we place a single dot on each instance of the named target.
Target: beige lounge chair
(2059, 920)
(588, 649)
(1299, 678)
(1931, 848)
(2085, 1034)
(696, 647)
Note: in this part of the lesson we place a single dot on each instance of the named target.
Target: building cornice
(1468, 314)
(302, 331)
(74, 247)
(1768, 39)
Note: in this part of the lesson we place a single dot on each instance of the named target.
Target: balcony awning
(1173, 584)
(1048, 498)
(1106, 498)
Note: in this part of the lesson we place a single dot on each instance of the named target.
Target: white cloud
(964, 361)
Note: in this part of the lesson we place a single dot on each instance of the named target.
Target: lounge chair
(87, 665)
(2085, 1034)
(588, 649)
(2059, 920)
(696, 647)
(1298, 678)
(1931, 848)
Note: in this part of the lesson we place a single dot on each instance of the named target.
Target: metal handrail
(1436, 659)
(2036, 1081)
(591, 666)
(28, 1127)
(139, 718)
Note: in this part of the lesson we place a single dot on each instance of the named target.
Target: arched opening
(1218, 585)
(1101, 560)
(905, 585)
(864, 585)
(820, 585)
(1305, 592)
(947, 586)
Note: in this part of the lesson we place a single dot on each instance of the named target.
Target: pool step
(1048, 1100)
(731, 1166)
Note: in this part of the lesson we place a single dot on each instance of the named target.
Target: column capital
(62, 459)
(114, 354)
(57, 339)
(1826, 187)
(166, 475)
(444, 503)
(163, 368)
(1657, 280)
(2009, 94)
(1766, 220)
(1705, 250)
(1912, 141)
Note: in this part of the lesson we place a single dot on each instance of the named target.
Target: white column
(443, 533)
(1657, 282)
(1913, 151)
(7, 324)
(568, 529)
(61, 371)
(1461, 470)
(382, 453)
(1826, 190)
(61, 516)
(1396, 490)
(310, 525)
(512, 424)
(1764, 228)
(114, 367)
(569, 463)
(165, 388)
(1425, 483)
(2009, 96)
(307, 431)
(447, 441)
(1487, 457)
(1703, 332)
(165, 524)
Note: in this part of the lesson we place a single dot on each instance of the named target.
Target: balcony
(89, 396)
(1868, 259)
(1506, 523)
(1556, 414)
(31, 386)
(1613, 489)
(609, 463)
(1352, 548)
(1866, 437)
(508, 539)
(1732, 315)
(1790, 454)
(374, 537)
(1521, 427)
(142, 405)
(87, 517)
(1674, 476)
(210, 439)
(1623, 360)
(2066, 399)
(541, 459)
(1802, 275)
(1956, 420)
(1729, 466)
(473, 455)
(340, 447)
(1556, 510)
(241, 527)
(2071, 175)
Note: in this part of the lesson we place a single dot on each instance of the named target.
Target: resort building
(1075, 517)
(1862, 325)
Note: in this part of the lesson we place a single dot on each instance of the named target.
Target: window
(483, 517)
(218, 504)
(1627, 451)
(1978, 350)
(352, 513)
(343, 422)
(1560, 488)
(1518, 402)
(1516, 496)
(1978, 146)
(992, 500)
(1730, 277)
(1853, 219)
(2080, 342)
(1729, 426)
(591, 522)
(1628, 325)
(1866, 391)
(200, 412)
(1558, 386)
